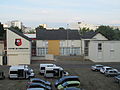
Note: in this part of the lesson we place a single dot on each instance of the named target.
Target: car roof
(66, 77)
(98, 65)
(35, 89)
(37, 84)
(70, 82)
(72, 88)
(32, 79)
(107, 67)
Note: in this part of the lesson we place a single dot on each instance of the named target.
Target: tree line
(107, 31)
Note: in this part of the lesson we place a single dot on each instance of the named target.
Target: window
(99, 46)
(13, 72)
(70, 51)
(42, 68)
(42, 51)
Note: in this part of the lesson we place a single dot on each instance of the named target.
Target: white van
(42, 67)
(55, 72)
(20, 72)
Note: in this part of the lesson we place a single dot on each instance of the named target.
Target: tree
(110, 33)
(31, 32)
(40, 27)
(84, 30)
(61, 28)
(2, 31)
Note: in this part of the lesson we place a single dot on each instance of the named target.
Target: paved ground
(89, 80)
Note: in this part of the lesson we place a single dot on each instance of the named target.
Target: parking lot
(89, 80)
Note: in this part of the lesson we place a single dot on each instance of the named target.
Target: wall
(53, 47)
(99, 37)
(18, 54)
(110, 51)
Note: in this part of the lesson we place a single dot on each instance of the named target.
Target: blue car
(38, 86)
(38, 80)
(66, 78)
(72, 88)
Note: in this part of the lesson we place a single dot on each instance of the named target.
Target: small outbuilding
(18, 48)
(104, 51)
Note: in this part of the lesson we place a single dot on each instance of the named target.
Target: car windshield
(73, 85)
(108, 68)
(35, 86)
(70, 79)
(99, 66)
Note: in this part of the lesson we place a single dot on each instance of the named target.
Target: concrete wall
(110, 51)
(99, 37)
(18, 54)
(55, 45)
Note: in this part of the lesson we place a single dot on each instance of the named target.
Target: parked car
(43, 66)
(112, 72)
(38, 80)
(38, 86)
(35, 89)
(2, 76)
(68, 84)
(66, 78)
(105, 68)
(96, 67)
(117, 79)
(20, 72)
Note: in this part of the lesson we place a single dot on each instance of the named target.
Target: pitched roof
(57, 35)
(89, 35)
(20, 34)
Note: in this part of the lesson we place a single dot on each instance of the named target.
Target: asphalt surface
(89, 80)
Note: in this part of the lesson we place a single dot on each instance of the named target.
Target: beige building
(18, 48)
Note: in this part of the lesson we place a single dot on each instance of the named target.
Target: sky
(59, 13)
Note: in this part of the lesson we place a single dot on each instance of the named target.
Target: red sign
(18, 42)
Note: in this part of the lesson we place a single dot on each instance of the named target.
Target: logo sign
(18, 42)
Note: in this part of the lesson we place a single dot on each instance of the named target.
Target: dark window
(99, 46)
(50, 71)
(13, 72)
(42, 68)
(73, 85)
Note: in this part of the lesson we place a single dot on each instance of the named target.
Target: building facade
(104, 51)
(58, 42)
(18, 48)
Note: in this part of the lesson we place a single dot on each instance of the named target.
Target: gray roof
(20, 34)
(57, 34)
(89, 35)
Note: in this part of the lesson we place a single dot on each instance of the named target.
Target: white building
(87, 38)
(14, 23)
(104, 51)
(18, 48)
(81, 25)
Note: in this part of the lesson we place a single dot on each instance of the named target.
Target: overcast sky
(58, 13)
